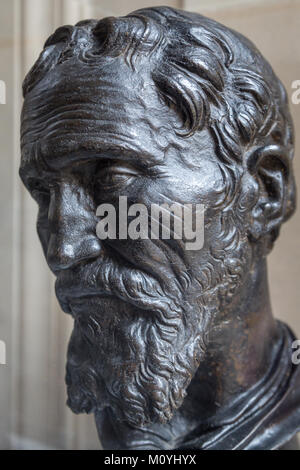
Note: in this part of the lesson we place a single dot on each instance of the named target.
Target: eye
(114, 176)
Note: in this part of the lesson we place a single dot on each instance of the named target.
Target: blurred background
(33, 414)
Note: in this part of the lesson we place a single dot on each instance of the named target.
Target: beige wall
(32, 392)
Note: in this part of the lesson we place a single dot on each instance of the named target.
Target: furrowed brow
(41, 160)
(145, 160)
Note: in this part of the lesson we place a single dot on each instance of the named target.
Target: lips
(77, 285)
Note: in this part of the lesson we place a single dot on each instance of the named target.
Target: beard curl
(157, 349)
(139, 353)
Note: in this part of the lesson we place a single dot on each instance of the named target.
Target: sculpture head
(160, 106)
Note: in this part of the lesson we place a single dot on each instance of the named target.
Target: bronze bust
(171, 348)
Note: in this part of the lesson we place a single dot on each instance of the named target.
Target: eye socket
(38, 189)
(114, 176)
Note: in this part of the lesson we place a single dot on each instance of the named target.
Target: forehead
(90, 110)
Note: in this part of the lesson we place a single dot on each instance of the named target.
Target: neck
(242, 346)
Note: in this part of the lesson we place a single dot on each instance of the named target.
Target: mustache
(106, 276)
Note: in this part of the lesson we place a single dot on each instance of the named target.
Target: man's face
(142, 308)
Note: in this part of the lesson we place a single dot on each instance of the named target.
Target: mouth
(82, 303)
(105, 278)
(75, 298)
(78, 285)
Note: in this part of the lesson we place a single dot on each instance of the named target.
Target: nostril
(63, 255)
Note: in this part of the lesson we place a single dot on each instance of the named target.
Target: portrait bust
(171, 348)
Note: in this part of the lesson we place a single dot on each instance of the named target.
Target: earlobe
(270, 167)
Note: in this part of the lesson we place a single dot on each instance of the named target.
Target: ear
(269, 166)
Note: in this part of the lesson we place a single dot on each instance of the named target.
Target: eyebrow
(117, 152)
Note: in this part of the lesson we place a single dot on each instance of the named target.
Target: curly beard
(137, 345)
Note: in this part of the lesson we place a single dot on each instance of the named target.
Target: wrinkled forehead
(91, 109)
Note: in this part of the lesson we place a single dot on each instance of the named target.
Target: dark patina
(171, 349)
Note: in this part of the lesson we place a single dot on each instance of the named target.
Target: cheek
(186, 186)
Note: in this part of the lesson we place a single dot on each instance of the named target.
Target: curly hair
(210, 75)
